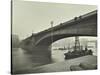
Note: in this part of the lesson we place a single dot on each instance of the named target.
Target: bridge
(39, 43)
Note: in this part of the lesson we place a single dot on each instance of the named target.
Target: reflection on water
(23, 61)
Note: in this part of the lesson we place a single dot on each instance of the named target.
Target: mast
(77, 43)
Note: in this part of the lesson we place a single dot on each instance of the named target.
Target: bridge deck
(70, 21)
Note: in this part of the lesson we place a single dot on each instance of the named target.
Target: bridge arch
(86, 29)
(40, 42)
(47, 40)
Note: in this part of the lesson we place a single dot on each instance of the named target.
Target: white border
(5, 28)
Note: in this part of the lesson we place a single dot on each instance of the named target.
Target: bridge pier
(42, 54)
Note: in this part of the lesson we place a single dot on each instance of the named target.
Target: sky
(32, 17)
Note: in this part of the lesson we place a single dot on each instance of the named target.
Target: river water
(24, 62)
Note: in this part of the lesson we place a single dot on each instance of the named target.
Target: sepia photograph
(53, 37)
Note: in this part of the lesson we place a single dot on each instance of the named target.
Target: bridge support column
(42, 53)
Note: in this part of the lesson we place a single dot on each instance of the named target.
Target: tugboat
(77, 52)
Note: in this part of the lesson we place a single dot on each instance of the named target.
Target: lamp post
(51, 32)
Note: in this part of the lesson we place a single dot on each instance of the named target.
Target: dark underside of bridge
(49, 40)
